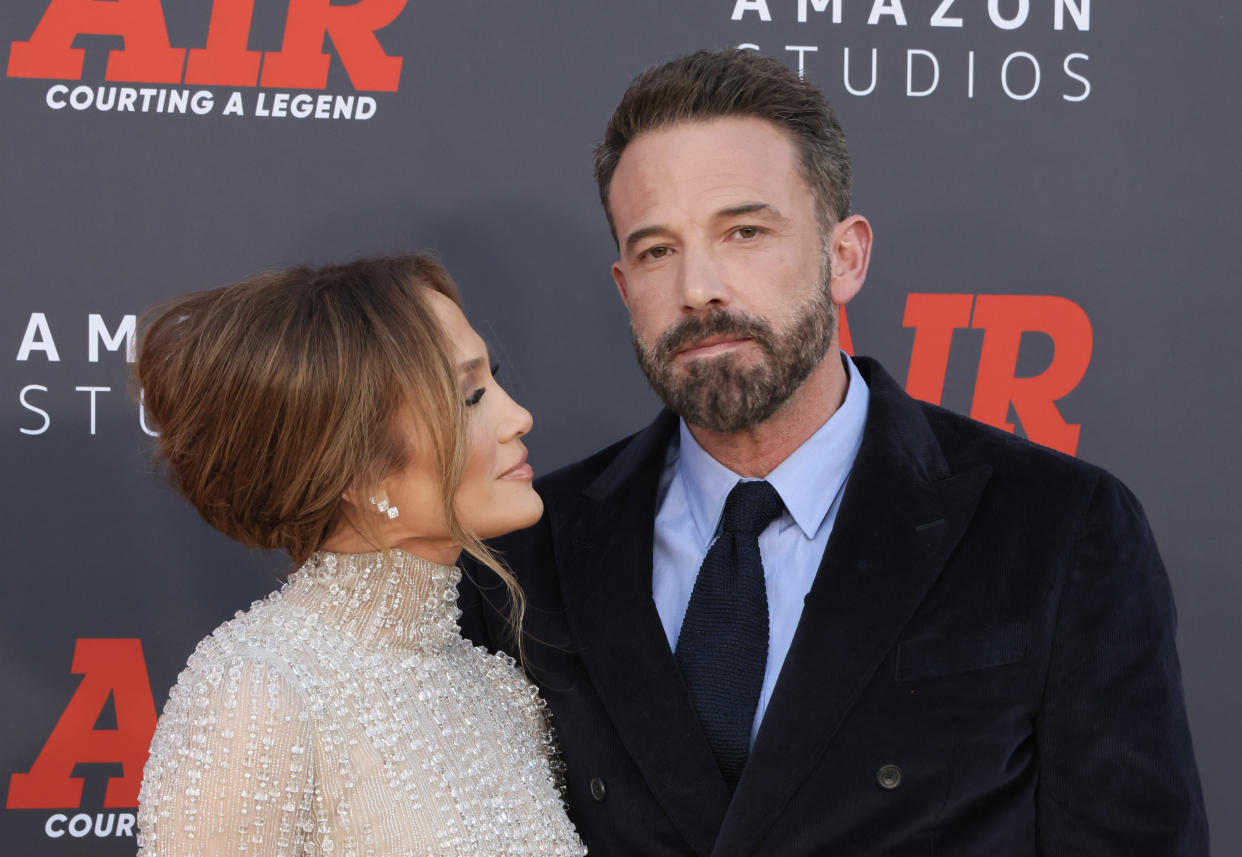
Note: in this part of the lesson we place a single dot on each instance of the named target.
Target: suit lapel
(899, 520)
(604, 560)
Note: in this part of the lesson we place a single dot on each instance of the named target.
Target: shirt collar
(808, 480)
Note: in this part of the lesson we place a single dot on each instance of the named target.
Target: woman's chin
(517, 515)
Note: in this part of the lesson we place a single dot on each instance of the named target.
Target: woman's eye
(475, 397)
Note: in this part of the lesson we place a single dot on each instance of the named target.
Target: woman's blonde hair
(277, 395)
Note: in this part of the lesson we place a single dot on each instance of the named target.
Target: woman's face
(495, 495)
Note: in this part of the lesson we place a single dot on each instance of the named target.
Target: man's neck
(755, 452)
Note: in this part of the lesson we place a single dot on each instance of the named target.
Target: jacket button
(889, 777)
(598, 790)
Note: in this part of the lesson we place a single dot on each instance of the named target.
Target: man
(802, 613)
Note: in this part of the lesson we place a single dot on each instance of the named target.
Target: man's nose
(701, 281)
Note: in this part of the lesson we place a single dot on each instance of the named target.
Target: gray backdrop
(1114, 185)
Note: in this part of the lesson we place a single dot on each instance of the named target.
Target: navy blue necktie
(722, 649)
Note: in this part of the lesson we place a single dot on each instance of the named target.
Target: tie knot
(750, 507)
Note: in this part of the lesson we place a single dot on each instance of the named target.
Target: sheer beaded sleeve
(231, 768)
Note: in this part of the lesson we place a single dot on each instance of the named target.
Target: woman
(348, 416)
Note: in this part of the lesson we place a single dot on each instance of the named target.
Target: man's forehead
(724, 138)
(707, 166)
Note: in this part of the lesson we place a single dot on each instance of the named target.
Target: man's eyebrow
(732, 211)
(750, 208)
(640, 234)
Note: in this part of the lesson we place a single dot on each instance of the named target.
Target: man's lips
(521, 470)
(712, 345)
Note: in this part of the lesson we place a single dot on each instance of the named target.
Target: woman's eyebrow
(469, 367)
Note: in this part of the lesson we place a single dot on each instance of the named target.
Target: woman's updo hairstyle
(277, 394)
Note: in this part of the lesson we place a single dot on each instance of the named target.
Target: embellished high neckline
(388, 599)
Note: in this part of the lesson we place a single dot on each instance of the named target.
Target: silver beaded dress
(345, 716)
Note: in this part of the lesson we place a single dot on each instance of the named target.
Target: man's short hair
(715, 84)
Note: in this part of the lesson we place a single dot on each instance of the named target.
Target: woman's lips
(521, 470)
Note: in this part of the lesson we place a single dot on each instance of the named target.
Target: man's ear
(618, 277)
(850, 243)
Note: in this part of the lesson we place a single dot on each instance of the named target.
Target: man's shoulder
(571, 479)
(932, 432)
(967, 444)
(619, 460)
(1032, 487)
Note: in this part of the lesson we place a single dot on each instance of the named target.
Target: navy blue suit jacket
(985, 663)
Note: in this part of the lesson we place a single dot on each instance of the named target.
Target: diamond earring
(384, 509)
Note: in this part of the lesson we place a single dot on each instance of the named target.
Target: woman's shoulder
(262, 644)
(241, 692)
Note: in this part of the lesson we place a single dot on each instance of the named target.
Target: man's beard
(720, 394)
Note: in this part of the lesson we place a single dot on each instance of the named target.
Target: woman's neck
(347, 539)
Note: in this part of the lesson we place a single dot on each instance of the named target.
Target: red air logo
(1003, 319)
(111, 670)
(149, 57)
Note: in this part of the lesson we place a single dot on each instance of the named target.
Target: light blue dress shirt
(810, 481)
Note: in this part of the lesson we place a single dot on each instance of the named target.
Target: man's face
(724, 268)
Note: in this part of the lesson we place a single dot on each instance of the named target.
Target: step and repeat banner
(1054, 186)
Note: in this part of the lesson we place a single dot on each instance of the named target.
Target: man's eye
(746, 231)
(475, 397)
(657, 252)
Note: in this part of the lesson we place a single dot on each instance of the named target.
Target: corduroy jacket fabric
(985, 664)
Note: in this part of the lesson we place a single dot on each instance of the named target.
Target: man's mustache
(718, 322)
